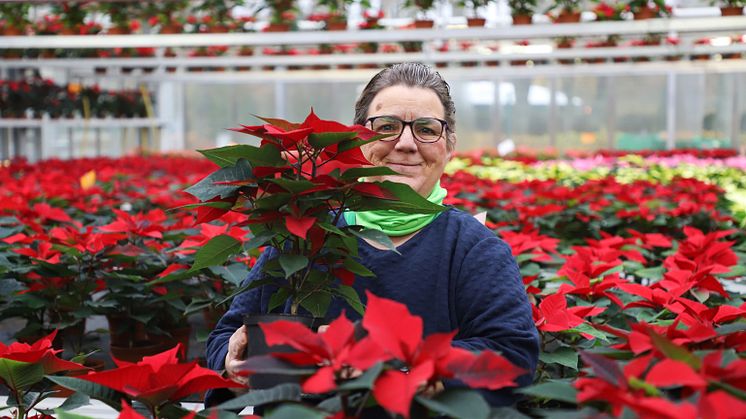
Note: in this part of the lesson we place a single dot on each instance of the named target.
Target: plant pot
(336, 26)
(731, 11)
(178, 335)
(277, 27)
(475, 22)
(218, 29)
(12, 31)
(136, 353)
(644, 14)
(173, 28)
(118, 31)
(126, 332)
(70, 31)
(257, 345)
(424, 24)
(568, 17)
(522, 19)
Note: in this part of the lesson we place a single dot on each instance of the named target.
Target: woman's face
(419, 165)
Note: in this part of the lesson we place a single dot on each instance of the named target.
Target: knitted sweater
(454, 273)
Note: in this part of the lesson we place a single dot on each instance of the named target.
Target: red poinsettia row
(635, 286)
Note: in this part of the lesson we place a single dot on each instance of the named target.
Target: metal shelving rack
(492, 62)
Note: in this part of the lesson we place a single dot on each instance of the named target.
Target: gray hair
(410, 75)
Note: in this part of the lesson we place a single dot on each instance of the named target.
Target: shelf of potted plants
(686, 28)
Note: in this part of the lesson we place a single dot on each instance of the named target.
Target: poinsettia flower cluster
(159, 379)
(24, 366)
(393, 340)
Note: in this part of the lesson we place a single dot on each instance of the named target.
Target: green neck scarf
(394, 223)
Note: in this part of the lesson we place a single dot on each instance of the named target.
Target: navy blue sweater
(454, 273)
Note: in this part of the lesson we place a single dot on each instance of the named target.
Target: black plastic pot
(257, 345)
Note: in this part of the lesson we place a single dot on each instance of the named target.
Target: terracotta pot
(475, 22)
(277, 27)
(173, 28)
(568, 17)
(731, 11)
(336, 26)
(424, 24)
(69, 31)
(522, 19)
(218, 29)
(644, 14)
(12, 31)
(116, 30)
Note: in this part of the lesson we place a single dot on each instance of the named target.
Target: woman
(450, 269)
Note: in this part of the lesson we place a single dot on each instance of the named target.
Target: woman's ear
(451, 146)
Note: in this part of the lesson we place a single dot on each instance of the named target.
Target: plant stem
(359, 410)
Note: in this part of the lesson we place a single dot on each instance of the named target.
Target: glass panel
(212, 108)
(640, 112)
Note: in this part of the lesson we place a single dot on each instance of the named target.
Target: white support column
(170, 103)
(671, 111)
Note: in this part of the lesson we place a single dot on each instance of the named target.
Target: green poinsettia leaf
(325, 139)
(215, 204)
(19, 375)
(93, 390)
(293, 186)
(295, 411)
(654, 274)
(62, 414)
(376, 236)
(215, 252)
(458, 403)
(552, 390)
(351, 297)
(280, 393)
(317, 303)
(73, 402)
(292, 263)
(357, 268)
(563, 356)
(266, 155)
(358, 172)
(277, 299)
(365, 381)
(215, 184)
(674, 351)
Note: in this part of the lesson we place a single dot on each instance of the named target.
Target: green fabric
(396, 223)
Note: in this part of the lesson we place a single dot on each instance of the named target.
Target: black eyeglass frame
(443, 123)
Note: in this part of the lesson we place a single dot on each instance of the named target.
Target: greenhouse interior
(343, 209)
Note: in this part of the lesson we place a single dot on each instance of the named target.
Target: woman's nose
(406, 141)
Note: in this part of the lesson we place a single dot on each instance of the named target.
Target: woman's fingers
(233, 359)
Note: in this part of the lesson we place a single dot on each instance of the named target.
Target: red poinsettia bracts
(393, 335)
(40, 352)
(160, 379)
(553, 315)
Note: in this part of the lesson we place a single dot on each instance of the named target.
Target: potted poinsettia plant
(15, 17)
(381, 364)
(292, 191)
(26, 371)
(422, 7)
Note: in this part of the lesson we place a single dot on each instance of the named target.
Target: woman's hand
(234, 358)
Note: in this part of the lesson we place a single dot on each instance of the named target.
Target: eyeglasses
(425, 130)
